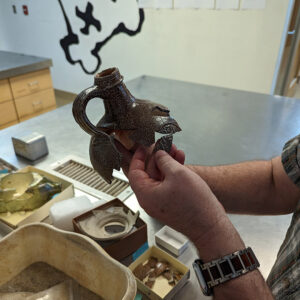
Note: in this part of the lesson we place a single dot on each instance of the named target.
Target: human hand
(150, 164)
(179, 198)
(182, 200)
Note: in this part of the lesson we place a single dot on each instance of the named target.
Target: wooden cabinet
(30, 83)
(35, 104)
(25, 96)
(5, 92)
(8, 115)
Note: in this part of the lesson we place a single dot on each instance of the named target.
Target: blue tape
(140, 251)
(138, 297)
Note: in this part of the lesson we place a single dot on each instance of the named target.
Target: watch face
(204, 287)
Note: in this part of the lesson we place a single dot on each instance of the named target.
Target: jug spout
(108, 78)
(117, 98)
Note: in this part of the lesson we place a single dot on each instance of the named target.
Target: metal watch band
(221, 270)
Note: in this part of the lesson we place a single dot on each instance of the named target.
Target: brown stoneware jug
(132, 121)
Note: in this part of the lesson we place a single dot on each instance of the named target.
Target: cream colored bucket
(76, 255)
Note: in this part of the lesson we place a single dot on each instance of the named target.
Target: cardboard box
(161, 289)
(17, 219)
(128, 244)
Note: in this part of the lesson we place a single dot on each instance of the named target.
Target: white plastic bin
(76, 255)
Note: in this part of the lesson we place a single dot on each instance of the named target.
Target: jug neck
(117, 98)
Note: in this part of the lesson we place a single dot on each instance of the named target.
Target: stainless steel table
(14, 64)
(219, 126)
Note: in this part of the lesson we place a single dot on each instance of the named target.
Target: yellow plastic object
(76, 255)
(18, 219)
(25, 191)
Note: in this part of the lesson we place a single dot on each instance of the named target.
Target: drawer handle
(37, 105)
(33, 83)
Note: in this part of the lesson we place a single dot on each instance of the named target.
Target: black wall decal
(88, 18)
(72, 38)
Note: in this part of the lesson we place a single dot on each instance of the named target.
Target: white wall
(235, 49)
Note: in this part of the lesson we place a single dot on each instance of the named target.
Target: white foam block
(62, 213)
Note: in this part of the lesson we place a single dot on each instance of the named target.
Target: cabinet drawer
(8, 124)
(30, 83)
(27, 117)
(5, 93)
(35, 103)
(7, 112)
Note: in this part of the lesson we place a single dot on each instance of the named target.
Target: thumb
(166, 164)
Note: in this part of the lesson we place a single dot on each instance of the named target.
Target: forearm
(224, 240)
(250, 286)
(258, 187)
(180, 191)
(240, 188)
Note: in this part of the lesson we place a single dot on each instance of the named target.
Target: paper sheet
(210, 4)
(146, 3)
(253, 4)
(163, 3)
(227, 4)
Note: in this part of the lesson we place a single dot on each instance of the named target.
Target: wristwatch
(220, 270)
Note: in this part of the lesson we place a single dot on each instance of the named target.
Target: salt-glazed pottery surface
(76, 255)
(132, 121)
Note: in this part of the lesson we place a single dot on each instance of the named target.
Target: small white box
(171, 240)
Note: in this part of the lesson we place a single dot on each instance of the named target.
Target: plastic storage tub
(76, 255)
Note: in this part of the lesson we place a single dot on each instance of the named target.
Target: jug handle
(79, 110)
